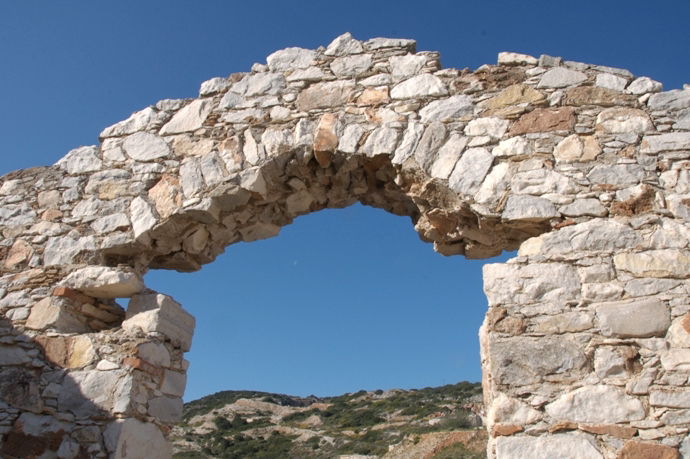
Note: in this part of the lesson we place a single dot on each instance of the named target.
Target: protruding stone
(508, 58)
(291, 58)
(81, 160)
(676, 99)
(575, 148)
(105, 282)
(644, 85)
(326, 139)
(142, 216)
(154, 312)
(190, 118)
(54, 313)
(447, 109)
(406, 66)
(470, 171)
(343, 45)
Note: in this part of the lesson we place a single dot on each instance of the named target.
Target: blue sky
(341, 300)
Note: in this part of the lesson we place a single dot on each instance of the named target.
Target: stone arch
(583, 167)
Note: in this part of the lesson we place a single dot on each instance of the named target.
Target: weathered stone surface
(448, 156)
(291, 58)
(142, 216)
(166, 195)
(54, 313)
(593, 95)
(655, 263)
(324, 95)
(342, 45)
(381, 141)
(620, 120)
(325, 139)
(514, 146)
(584, 405)
(638, 450)
(154, 312)
(514, 95)
(567, 445)
(539, 358)
(491, 126)
(167, 409)
(675, 99)
(424, 85)
(86, 393)
(670, 398)
(633, 318)
(406, 66)
(144, 146)
(560, 77)
(125, 436)
(173, 383)
(643, 85)
(214, 86)
(619, 174)
(470, 170)
(671, 141)
(575, 148)
(581, 207)
(544, 120)
(610, 81)
(351, 66)
(507, 58)
(81, 160)
(154, 353)
(447, 109)
(20, 252)
(105, 282)
(525, 207)
(676, 360)
(509, 410)
(190, 118)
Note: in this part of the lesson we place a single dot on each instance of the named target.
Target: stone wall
(584, 168)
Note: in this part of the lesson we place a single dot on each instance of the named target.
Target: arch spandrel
(583, 168)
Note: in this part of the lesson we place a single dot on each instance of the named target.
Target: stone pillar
(586, 345)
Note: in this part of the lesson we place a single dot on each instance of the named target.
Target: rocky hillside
(439, 422)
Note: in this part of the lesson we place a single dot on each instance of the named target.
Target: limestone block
(508, 410)
(214, 86)
(638, 450)
(584, 207)
(544, 120)
(20, 252)
(142, 216)
(448, 156)
(86, 393)
(611, 81)
(105, 282)
(670, 398)
(676, 360)
(351, 66)
(407, 146)
(380, 43)
(507, 58)
(190, 118)
(292, 58)
(541, 181)
(470, 170)
(81, 161)
(154, 353)
(515, 94)
(15, 215)
(381, 141)
(173, 383)
(343, 45)
(166, 409)
(489, 126)
(125, 437)
(584, 405)
(325, 95)
(619, 174)
(567, 445)
(594, 95)
(542, 357)
(560, 77)
(679, 333)
(514, 146)
(447, 109)
(623, 120)
(575, 148)
(533, 283)
(54, 313)
(262, 84)
(424, 85)
(675, 99)
(671, 141)
(402, 67)
(349, 142)
(144, 146)
(525, 207)
(154, 312)
(633, 318)
(655, 263)
(612, 361)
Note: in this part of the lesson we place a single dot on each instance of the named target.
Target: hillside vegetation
(439, 422)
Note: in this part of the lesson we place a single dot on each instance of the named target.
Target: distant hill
(430, 423)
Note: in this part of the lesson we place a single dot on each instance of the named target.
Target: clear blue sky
(341, 300)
